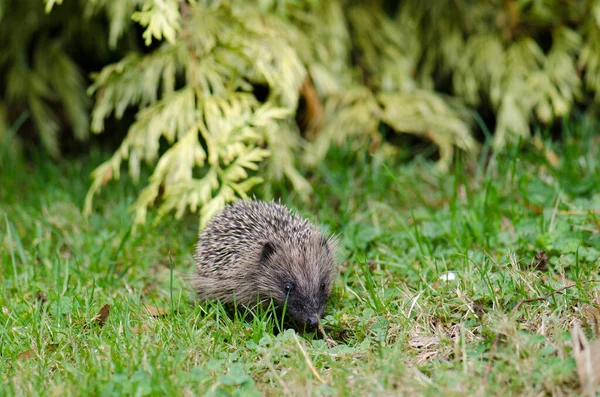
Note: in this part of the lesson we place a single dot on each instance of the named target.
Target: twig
(330, 342)
(308, 362)
(488, 368)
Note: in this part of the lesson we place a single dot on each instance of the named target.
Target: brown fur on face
(254, 250)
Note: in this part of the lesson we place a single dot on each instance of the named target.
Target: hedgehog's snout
(312, 322)
(308, 324)
(305, 312)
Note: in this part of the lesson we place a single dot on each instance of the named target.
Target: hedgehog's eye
(323, 286)
(288, 287)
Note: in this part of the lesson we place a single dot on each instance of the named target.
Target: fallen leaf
(42, 297)
(100, 318)
(310, 115)
(157, 311)
(27, 354)
(533, 207)
(540, 261)
(372, 266)
(587, 359)
(51, 347)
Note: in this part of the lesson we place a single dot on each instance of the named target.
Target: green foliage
(217, 94)
(221, 55)
(213, 120)
(39, 75)
(522, 80)
(502, 61)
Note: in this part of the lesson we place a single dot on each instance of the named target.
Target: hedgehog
(260, 252)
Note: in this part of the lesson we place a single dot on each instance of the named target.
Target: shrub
(239, 92)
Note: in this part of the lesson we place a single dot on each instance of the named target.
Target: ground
(437, 293)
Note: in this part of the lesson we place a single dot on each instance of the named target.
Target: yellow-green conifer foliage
(356, 65)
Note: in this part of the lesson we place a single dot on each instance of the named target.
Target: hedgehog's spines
(252, 249)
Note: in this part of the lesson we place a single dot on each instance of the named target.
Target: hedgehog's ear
(267, 250)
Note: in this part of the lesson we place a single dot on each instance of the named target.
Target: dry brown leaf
(100, 318)
(532, 207)
(27, 354)
(51, 347)
(40, 296)
(157, 311)
(587, 359)
(540, 261)
(310, 117)
(372, 265)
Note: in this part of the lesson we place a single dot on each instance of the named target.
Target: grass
(435, 292)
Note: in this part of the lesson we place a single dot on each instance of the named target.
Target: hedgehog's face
(301, 277)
